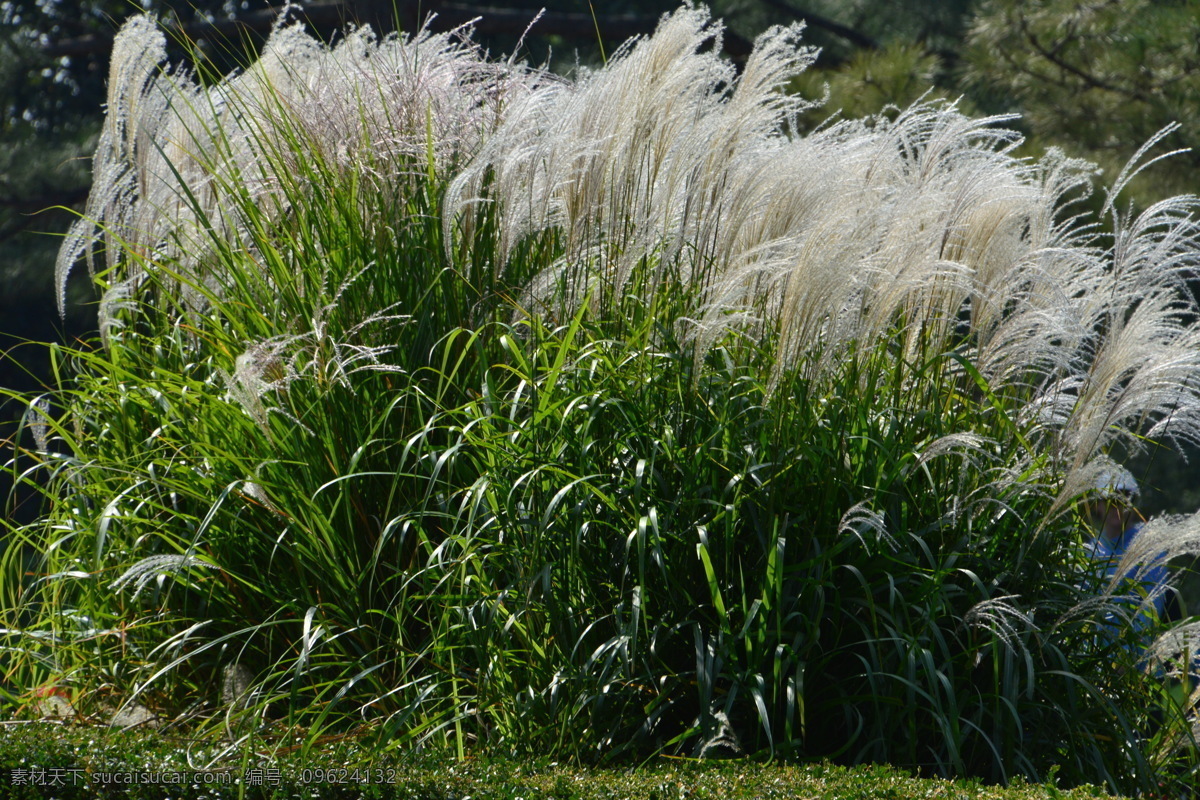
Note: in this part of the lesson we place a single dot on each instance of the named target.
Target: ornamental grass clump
(457, 405)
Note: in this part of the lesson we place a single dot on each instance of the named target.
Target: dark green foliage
(1096, 79)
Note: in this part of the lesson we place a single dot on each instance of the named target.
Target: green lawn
(88, 763)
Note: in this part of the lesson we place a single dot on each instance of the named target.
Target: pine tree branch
(851, 35)
(1052, 55)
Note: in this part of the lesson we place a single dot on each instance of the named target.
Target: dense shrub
(603, 417)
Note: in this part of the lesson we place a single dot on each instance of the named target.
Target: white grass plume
(632, 159)
(178, 165)
(37, 418)
(1160, 540)
(1176, 650)
(861, 521)
(155, 569)
(136, 113)
(1002, 617)
(922, 224)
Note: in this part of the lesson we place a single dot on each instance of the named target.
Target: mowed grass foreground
(470, 409)
(85, 765)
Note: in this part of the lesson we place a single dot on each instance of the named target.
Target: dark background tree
(1097, 79)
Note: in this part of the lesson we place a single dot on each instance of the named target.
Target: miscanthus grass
(458, 405)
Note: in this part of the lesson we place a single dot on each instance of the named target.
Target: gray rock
(719, 739)
(133, 716)
(236, 686)
(53, 707)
